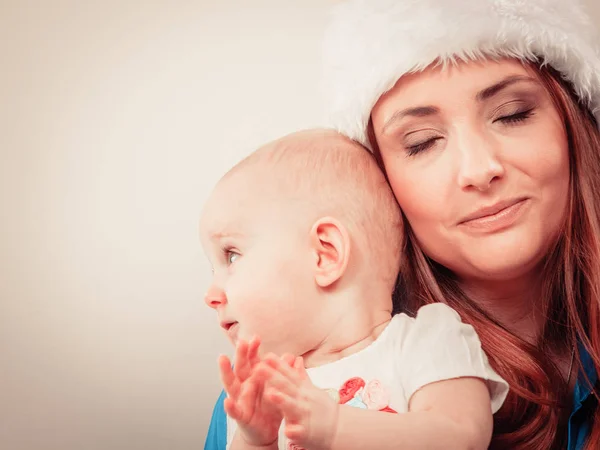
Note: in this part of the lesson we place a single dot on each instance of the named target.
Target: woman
(481, 114)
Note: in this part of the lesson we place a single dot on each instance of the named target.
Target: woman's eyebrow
(419, 111)
(485, 94)
(493, 90)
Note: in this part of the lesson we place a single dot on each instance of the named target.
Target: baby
(305, 237)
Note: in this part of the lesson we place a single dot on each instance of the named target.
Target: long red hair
(535, 413)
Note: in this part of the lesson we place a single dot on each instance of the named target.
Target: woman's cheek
(419, 200)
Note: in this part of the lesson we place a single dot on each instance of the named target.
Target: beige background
(116, 118)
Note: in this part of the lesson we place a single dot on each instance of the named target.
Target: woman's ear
(331, 243)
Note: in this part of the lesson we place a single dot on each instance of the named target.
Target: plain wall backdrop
(116, 119)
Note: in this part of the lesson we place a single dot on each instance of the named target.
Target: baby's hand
(310, 413)
(258, 420)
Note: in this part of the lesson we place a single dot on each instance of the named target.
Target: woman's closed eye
(514, 114)
(419, 142)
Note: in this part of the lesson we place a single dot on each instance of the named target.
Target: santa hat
(370, 44)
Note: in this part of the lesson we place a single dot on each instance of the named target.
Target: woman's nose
(480, 164)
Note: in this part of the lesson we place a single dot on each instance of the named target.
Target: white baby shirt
(408, 354)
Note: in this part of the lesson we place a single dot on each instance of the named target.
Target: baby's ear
(331, 243)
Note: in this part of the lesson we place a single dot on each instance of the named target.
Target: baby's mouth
(230, 328)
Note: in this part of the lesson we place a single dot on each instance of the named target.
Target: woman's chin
(501, 263)
(503, 258)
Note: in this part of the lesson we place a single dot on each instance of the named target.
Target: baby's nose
(215, 297)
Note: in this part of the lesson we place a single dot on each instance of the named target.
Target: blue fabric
(216, 439)
(584, 402)
(579, 422)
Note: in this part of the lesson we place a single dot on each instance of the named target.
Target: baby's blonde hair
(340, 178)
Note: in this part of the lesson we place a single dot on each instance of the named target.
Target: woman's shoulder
(216, 437)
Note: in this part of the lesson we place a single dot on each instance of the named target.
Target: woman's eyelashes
(418, 142)
(421, 147)
(516, 117)
(514, 111)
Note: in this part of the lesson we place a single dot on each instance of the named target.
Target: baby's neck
(358, 325)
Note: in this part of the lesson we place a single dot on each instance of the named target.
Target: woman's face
(477, 156)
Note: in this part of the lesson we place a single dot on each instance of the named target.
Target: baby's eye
(231, 256)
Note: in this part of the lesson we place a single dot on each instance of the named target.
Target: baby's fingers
(247, 399)
(289, 407)
(233, 410)
(287, 358)
(242, 408)
(242, 367)
(298, 365)
(284, 366)
(253, 348)
(295, 431)
(275, 379)
(228, 378)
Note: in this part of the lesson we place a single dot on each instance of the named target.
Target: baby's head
(295, 230)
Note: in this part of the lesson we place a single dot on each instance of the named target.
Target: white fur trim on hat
(370, 44)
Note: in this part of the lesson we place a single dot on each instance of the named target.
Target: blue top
(584, 403)
(216, 439)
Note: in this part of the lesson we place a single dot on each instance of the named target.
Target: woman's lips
(496, 217)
